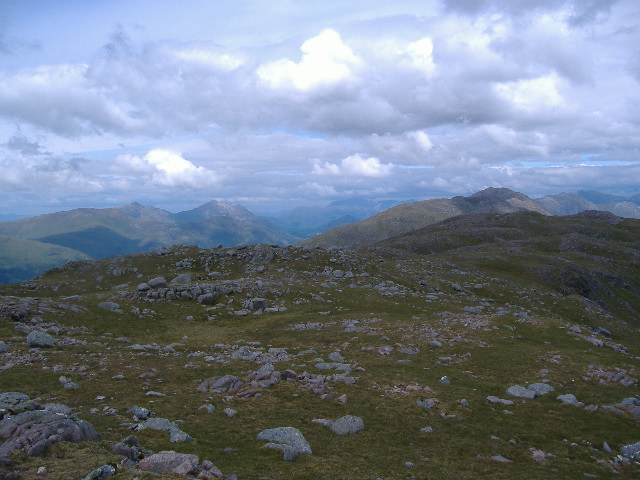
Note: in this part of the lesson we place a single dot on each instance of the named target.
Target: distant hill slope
(22, 259)
(592, 254)
(413, 216)
(107, 232)
(570, 203)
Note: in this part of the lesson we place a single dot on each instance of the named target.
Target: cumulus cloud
(166, 168)
(355, 165)
(326, 61)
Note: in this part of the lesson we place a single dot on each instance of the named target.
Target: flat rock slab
(41, 339)
(170, 462)
(32, 432)
(288, 439)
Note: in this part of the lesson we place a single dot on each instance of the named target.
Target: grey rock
(71, 386)
(445, 380)
(141, 413)
(601, 331)
(631, 451)
(254, 304)
(101, 473)
(182, 278)
(32, 432)
(493, 399)
(520, 392)
(568, 399)
(243, 353)
(333, 366)
(541, 388)
(57, 408)
(170, 462)
(156, 423)
(111, 306)
(208, 408)
(336, 357)
(500, 458)
(288, 439)
(226, 383)
(230, 412)
(157, 282)
(3, 347)
(347, 425)
(435, 343)
(143, 287)
(426, 404)
(426, 429)
(40, 339)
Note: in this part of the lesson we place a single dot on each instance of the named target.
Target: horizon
(282, 104)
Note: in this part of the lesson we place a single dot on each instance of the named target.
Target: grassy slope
(482, 354)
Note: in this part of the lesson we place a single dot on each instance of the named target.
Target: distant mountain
(310, 221)
(413, 216)
(106, 232)
(571, 203)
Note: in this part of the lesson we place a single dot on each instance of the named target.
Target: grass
(488, 352)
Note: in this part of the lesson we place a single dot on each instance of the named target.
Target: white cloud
(319, 189)
(533, 94)
(354, 165)
(326, 61)
(165, 168)
(422, 140)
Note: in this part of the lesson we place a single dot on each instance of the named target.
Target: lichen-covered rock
(37, 338)
(32, 432)
(347, 425)
(170, 462)
(288, 439)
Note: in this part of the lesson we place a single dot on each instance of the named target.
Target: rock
(426, 429)
(336, 357)
(208, 298)
(631, 451)
(230, 412)
(601, 331)
(243, 353)
(541, 388)
(435, 343)
(445, 380)
(170, 462)
(143, 287)
(175, 434)
(208, 408)
(500, 458)
(226, 383)
(40, 339)
(141, 413)
(101, 473)
(288, 439)
(426, 404)
(111, 306)
(254, 304)
(345, 367)
(15, 402)
(3, 347)
(520, 392)
(347, 425)
(32, 432)
(158, 282)
(492, 399)
(182, 278)
(568, 399)
(57, 408)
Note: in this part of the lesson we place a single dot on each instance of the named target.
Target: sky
(285, 103)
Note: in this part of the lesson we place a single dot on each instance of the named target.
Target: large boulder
(32, 432)
(288, 439)
(16, 402)
(158, 282)
(40, 339)
(170, 462)
(521, 392)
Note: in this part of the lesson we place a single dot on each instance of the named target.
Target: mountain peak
(215, 208)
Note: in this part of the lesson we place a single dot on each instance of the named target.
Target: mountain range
(32, 245)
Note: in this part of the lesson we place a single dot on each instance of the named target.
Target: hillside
(491, 345)
(570, 203)
(108, 232)
(413, 216)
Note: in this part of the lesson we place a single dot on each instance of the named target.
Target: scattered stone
(288, 439)
(170, 462)
(541, 388)
(520, 392)
(435, 343)
(101, 473)
(156, 423)
(230, 412)
(492, 399)
(631, 451)
(157, 282)
(568, 399)
(347, 425)
(141, 413)
(243, 353)
(36, 338)
(111, 306)
(3, 347)
(445, 380)
(426, 430)
(33, 431)
(500, 458)
(224, 384)
(208, 407)
(336, 357)
(426, 404)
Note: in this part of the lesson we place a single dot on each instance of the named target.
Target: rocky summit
(501, 345)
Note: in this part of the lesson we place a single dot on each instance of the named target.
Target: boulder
(32, 432)
(631, 451)
(157, 282)
(40, 339)
(568, 399)
(170, 462)
(347, 425)
(226, 383)
(101, 473)
(520, 392)
(111, 306)
(243, 353)
(3, 347)
(541, 388)
(182, 278)
(288, 439)
(156, 423)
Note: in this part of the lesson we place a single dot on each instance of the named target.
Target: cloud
(166, 168)
(326, 61)
(354, 165)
